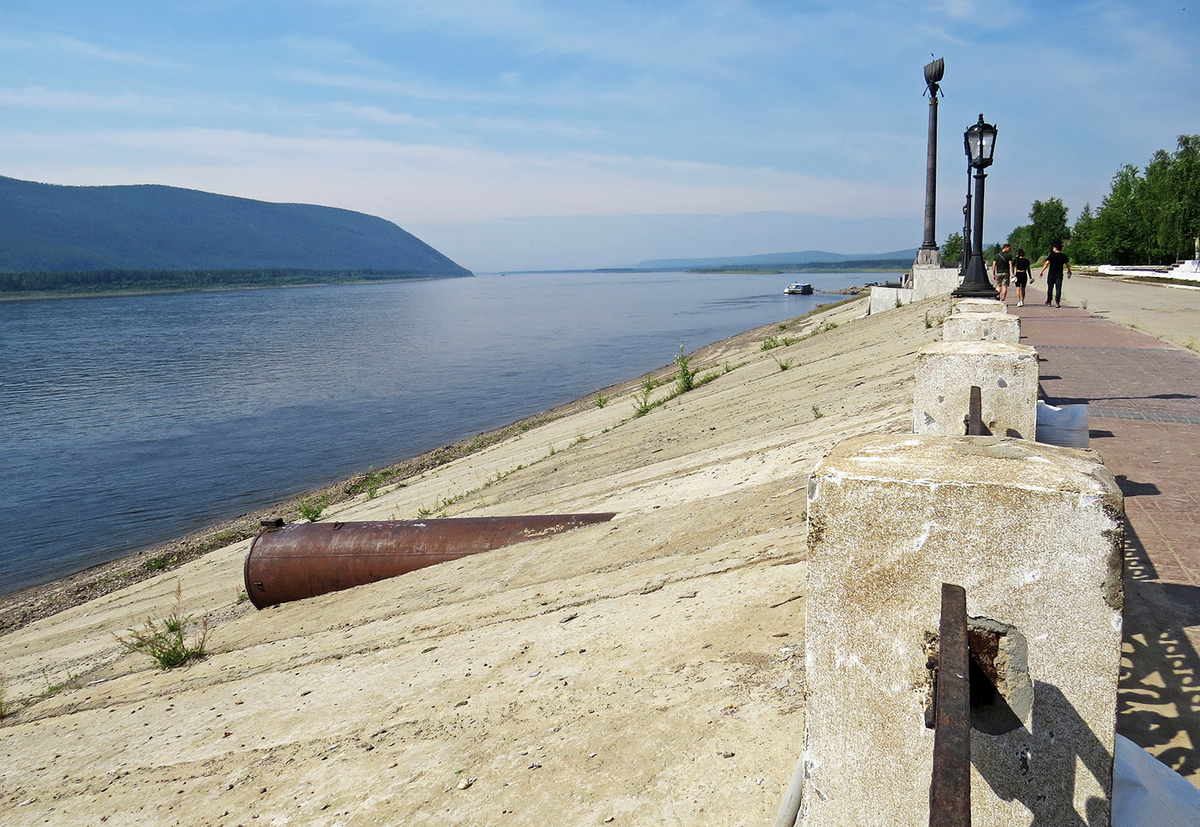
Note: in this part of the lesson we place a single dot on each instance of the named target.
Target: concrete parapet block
(1006, 374)
(889, 298)
(980, 306)
(974, 327)
(934, 280)
(1034, 535)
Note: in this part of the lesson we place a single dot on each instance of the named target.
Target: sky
(562, 134)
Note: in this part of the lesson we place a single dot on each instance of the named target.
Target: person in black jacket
(1055, 261)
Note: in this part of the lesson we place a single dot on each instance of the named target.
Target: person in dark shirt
(1022, 272)
(1002, 270)
(1055, 261)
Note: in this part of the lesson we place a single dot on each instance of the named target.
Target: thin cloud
(66, 45)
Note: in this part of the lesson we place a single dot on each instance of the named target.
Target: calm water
(128, 421)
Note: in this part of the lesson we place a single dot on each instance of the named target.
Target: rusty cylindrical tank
(292, 562)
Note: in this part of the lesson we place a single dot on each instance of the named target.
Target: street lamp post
(980, 143)
(929, 253)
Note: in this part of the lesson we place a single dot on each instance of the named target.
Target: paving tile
(1143, 398)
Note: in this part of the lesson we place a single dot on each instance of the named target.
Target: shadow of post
(1158, 695)
(1038, 765)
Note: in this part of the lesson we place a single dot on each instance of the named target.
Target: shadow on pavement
(1158, 694)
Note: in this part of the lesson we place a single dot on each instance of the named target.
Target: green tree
(1081, 246)
(1119, 231)
(1020, 239)
(1150, 217)
(1049, 227)
(952, 249)
(1181, 212)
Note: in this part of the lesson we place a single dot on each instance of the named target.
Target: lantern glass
(980, 142)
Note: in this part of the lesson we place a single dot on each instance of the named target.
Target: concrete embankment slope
(648, 670)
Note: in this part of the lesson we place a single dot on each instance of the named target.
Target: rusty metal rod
(950, 788)
(292, 562)
(974, 418)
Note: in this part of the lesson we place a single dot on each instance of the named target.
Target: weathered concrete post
(979, 306)
(1034, 534)
(1006, 374)
(973, 327)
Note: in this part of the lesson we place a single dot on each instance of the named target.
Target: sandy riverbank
(648, 670)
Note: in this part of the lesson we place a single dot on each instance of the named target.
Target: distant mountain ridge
(52, 228)
(771, 259)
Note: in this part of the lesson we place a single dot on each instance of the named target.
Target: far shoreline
(219, 288)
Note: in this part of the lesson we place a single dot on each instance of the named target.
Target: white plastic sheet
(1148, 793)
(1066, 426)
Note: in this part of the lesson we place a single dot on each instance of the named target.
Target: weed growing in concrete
(601, 400)
(898, 302)
(312, 510)
(817, 412)
(52, 688)
(372, 482)
(641, 401)
(784, 364)
(166, 641)
(928, 323)
(685, 380)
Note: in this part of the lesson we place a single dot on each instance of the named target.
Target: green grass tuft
(312, 509)
(166, 641)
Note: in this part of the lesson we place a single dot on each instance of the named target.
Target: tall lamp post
(928, 253)
(980, 143)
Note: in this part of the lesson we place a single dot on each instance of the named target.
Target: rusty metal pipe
(292, 562)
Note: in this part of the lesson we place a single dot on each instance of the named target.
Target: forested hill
(49, 228)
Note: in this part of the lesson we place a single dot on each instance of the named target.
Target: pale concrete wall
(971, 327)
(884, 298)
(934, 281)
(1034, 535)
(924, 281)
(1006, 374)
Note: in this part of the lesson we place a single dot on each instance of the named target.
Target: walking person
(1002, 270)
(1022, 273)
(1055, 261)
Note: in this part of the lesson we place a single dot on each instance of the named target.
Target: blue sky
(522, 134)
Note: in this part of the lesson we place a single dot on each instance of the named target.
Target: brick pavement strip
(1144, 410)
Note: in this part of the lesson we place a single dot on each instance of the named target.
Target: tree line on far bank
(1149, 216)
(116, 281)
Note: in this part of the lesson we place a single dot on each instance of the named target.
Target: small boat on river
(799, 289)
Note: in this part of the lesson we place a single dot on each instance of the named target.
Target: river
(127, 421)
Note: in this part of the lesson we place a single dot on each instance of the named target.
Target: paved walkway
(1143, 398)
